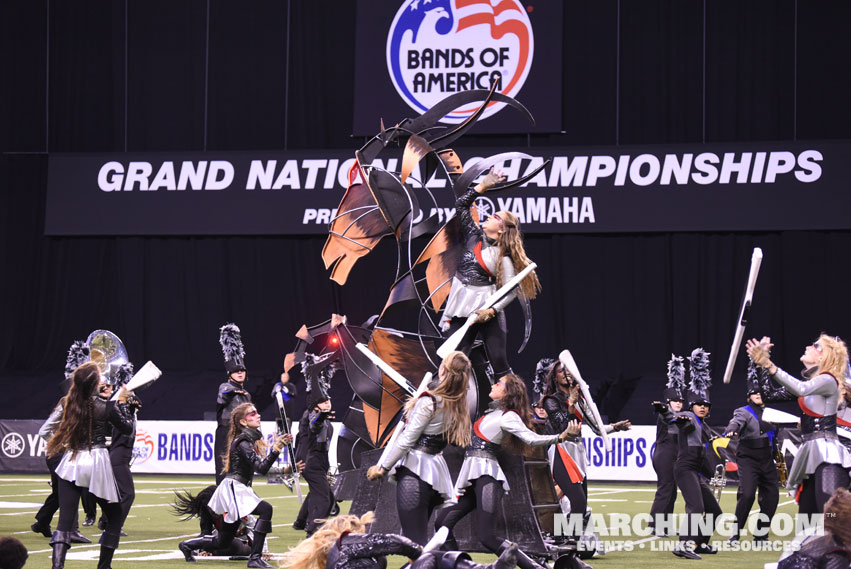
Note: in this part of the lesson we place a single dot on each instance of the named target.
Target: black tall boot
(523, 560)
(108, 545)
(60, 541)
(261, 528)
(190, 545)
(460, 560)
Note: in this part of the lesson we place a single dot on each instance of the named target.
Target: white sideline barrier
(186, 447)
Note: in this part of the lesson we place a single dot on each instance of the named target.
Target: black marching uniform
(691, 472)
(120, 456)
(231, 394)
(757, 470)
(664, 459)
(314, 433)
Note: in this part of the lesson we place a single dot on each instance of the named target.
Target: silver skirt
(463, 300)
(476, 467)
(813, 453)
(431, 469)
(576, 451)
(90, 469)
(233, 500)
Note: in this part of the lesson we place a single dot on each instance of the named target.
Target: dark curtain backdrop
(106, 76)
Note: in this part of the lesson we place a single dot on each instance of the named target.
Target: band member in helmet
(667, 442)
(755, 461)
(692, 469)
(231, 393)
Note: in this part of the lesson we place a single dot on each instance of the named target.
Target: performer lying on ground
(416, 462)
(234, 497)
(341, 543)
(196, 506)
(81, 439)
(493, 254)
(566, 409)
(822, 462)
(481, 481)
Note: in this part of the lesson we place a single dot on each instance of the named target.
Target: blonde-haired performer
(436, 417)
(234, 498)
(822, 463)
(493, 255)
(342, 543)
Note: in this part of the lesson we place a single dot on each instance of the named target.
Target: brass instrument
(718, 481)
(780, 462)
(108, 352)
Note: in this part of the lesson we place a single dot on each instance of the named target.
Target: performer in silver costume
(493, 255)
(81, 439)
(822, 463)
(416, 462)
(481, 481)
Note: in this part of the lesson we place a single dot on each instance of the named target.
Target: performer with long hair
(81, 439)
(493, 254)
(435, 418)
(481, 481)
(566, 408)
(234, 497)
(342, 543)
(822, 462)
(190, 506)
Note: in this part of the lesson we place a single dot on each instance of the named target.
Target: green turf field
(153, 533)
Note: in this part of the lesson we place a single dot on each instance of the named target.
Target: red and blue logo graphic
(439, 47)
(143, 448)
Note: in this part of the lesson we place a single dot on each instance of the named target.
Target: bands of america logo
(13, 445)
(439, 47)
(143, 448)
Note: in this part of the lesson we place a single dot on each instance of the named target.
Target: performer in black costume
(692, 469)
(288, 393)
(493, 255)
(566, 408)
(755, 461)
(231, 393)
(822, 463)
(81, 439)
(196, 506)
(78, 354)
(341, 543)
(234, 498)
(831, 550)
(315, 433)
(667, 443)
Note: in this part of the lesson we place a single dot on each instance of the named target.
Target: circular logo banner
(439, 47)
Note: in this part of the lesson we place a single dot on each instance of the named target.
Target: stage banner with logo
(720, 187)
(410, 54)
(21, 449)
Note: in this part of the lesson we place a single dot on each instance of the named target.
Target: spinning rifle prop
(290, 452)
(452, 342)
(756, 261)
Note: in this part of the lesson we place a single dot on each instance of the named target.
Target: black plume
(231, 341)
(676, 373)
(78, 354)
(700, 381)
(123, 374)
(541, 370)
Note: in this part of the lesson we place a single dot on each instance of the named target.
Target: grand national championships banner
(721, 187)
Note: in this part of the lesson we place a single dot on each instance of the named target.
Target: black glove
(658, 407)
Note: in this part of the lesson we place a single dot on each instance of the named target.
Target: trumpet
(719, 480)
(780, 463)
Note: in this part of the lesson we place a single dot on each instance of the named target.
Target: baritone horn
(108, 352)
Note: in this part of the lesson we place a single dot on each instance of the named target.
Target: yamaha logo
(439, 47)
(485, 207)
(13, 445)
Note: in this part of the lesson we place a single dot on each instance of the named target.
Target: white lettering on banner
(545, 210)
(112, 177)
(318, 216)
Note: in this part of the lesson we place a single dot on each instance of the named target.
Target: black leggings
(493, 334)
(228, 530)
(485, 494)
(69, 501)
(699, 500)
(819, 486)
(415, 502)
